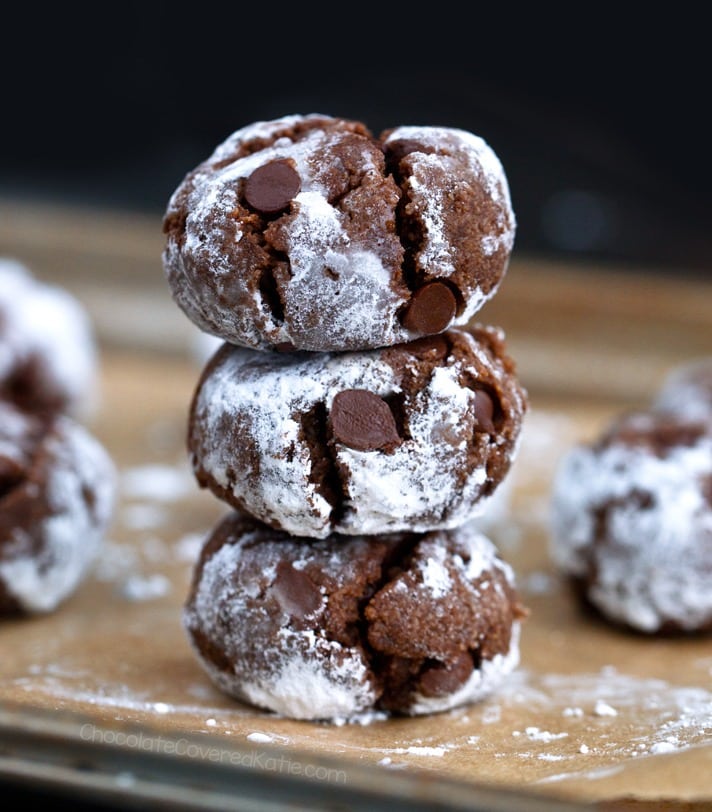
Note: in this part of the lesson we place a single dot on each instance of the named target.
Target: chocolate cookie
(406, 623)
(48, 357)
(57, 486)
(408, 438)
(632, 522)
(309, 232)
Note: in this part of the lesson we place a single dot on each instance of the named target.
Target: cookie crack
(324, 471)
(397, 673)
(409, 230)
(400, 677)
(269, 291)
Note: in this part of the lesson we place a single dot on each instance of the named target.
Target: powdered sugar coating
(257, 644)
(635, 523)
(450, 149)
(250, 442)
(332, 271)
(293, 671)
(48, 356)
(687, 390)
(54, 518)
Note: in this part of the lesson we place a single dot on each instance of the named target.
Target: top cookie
(309, 233)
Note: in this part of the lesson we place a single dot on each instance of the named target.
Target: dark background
(601, 126)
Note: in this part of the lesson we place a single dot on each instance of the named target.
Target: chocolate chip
(363, 421)
(484, 410)
(295, 592)
(442, 679)
(436, 345)
(272, 186)
(285, 346)
(11, 473)
(431, 309)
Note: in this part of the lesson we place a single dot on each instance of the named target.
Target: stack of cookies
(353, 419)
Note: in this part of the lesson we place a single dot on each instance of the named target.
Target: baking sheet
(592, 714)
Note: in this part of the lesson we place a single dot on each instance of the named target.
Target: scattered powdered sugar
(143, 516)
(602, 708)
(534, 734)
(654, 718)
(653, 714)
(139, 587)
(260, 738)
(421, 750)
(157, 482)
(362, 718)
(187, 548)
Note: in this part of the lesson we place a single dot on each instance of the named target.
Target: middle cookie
(408, 438)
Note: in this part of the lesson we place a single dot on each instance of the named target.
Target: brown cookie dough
(309, 232)
(48, 360)
(632, 522)
(327, 629)
(414, 437)
(57, 486)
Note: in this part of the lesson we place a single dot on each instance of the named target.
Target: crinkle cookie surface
(414, 437)
(327, 629)
(632, 522)
(57, 495)
(309, 233)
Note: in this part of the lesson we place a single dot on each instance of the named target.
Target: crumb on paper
(602, 708)
(161, 483)
(143, 516)
(259, 738)
(188, 547)
(145, 587)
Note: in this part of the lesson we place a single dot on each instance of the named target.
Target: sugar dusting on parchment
(604, 718)
(149, 494)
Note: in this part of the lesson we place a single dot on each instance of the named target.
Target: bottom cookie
(326, 629)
